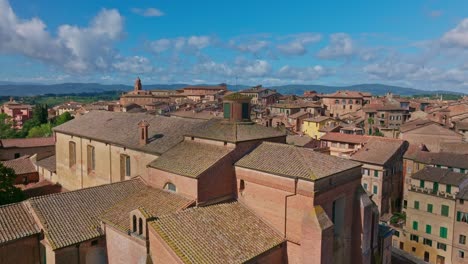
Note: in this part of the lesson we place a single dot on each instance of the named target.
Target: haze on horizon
(418, 44)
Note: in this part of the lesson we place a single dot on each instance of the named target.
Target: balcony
(429, 191)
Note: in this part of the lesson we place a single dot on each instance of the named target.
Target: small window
(415, 225)
(429, 208)
(71, 153)
(462, 239)
(461, 254)
(421, 183)
(427, 242)
(91, 158)
(376, 173)
(227, 110)
(245, 111)
(134, 224)
(396, 233)
(365, 186)
(448, 188)
(442, 246)
(140, 226)
(375, 190)
(443, 232)
(17, 155)
(241, 185)
(405, 204)
(428, 229)
(170, 187)
(416, 205)
(94, 243)
(444, 210)
(414, 238)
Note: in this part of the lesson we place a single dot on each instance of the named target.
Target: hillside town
(207, 174)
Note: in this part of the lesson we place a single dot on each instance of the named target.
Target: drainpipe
(286, 204)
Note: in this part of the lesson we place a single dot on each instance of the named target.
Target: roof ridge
(87, 188)
(304, 163)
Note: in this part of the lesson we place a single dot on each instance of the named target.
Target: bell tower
(137, 86)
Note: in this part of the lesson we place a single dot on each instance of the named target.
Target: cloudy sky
(420, 44)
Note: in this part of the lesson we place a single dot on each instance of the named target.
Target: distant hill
(17, 89)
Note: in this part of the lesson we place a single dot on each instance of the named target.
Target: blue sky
(420, 44)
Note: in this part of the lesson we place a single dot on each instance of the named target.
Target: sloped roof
(73, 217)
(154, 202)
(48, 163)
(417, 123)
(190, 158)
(379, 150)
(318, 119)
(346, 138)
(223, 233)
(222, 130)
(444, 176)
(27, 142)
(122, 129)
(447, 159)
(20, 166)
(345, 94)
(16, 222)
(290, 161)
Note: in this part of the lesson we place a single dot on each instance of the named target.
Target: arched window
(140, 226)
(170, 186)
(241, 185)
(134, 229)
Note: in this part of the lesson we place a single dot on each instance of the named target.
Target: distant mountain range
(25, 89)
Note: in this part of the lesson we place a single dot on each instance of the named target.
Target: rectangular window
(435, 189)
(448, 188)
(421, 183)
(396, 233)
(366, 172)
(444, 210)
(227, 110)
(125, 168)
(365, 186)
(459, 216)
(405, 204)
(462, 170)
(462, 239)
(71, 153)
(416, 205)
(375, 189)
(415, 225)
(428, 229)
(442, 246)
(429, 208)
(443, 232)
(376, 173)
(427, 242)
(91, 159)
(245, 111)
(461, 254)
(414, 238)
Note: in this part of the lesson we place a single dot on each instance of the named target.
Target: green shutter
(443, 232)
(415, 225)
(416, 204)
(436, 187)
(444, 210)
(245, 111)
(428, 229)
(227, 110)
(421, 183)
(376, 173)
(429, 208)
(459, 216)
(448, 188)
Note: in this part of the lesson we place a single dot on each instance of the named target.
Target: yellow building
(311, 126)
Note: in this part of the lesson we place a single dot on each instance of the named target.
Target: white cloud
(457, 37)
(298, 46)
(302, 73)
(257, 68)
(341, 45)
(250, 46)
(135, 65)
(148, 12)
(191, 44)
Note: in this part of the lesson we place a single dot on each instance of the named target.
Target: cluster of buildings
(18, 112)
(244, 177)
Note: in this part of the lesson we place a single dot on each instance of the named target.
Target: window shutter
(227, 110)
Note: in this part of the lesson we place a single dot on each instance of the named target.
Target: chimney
(143, 132)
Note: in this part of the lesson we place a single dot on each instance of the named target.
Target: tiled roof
(190, 158)
(48, 163)
(236, 96)
(444, 176)
(16, 222)
(379, 150)
(345, 94)
(346, 138)
(447, 159)
(234, 131)
(73, 217)
(223, 233)
(291, 161)
(27, 142)
(297, 140)
(20, 165)
(318, 119)
(122, 129)
(154, 202)
(299, 114)
(417, 123)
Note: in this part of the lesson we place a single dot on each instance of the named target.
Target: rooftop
(27, 142)
(318, 119)
(223, 233)
(72, 217)
(164, 132)
(417, 123)
(21, 165)
(153, 202)
(234, 132)
(49, 163)
(345, 94)
(346, 138)
(16, 222)
(190, 158)
(379, 150)
(444, 176)
(448, 159)
(290, 161)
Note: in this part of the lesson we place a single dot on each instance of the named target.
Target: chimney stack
(143, 132)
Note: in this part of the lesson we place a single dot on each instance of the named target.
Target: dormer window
(170, 187)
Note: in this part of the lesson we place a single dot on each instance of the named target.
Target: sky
(418, 44)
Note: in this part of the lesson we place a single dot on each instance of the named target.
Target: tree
(8, 192)
(63, 118)
(44, 130)
(6, 127)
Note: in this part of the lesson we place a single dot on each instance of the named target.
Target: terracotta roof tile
(318, 119)
(27, 142)
(164, 132)
(346, 138)
(223, 233)
(190, 158)
(222, 130)
(20, 165)
(16, 222)
(379, 150)
(154, 202)
(440, 175)
(48, 163)
(73, 217)
(291, 161)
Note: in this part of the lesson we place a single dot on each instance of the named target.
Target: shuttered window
(444, 210)
(443, 232)
(71, 153)
(428, 229)
(245, 111)
(91, 158)
(415, 225)
(227, 110)
(125, 166)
